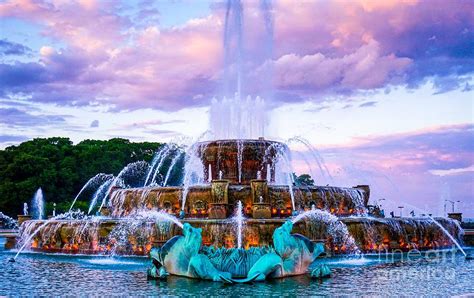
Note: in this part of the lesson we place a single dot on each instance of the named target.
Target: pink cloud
(110, 57)
(409, 168)
(363, 69)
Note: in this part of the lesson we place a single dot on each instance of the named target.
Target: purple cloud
(12, 138)
(368, 104)
(95, 123)
(410, 168)
(16, 117)
(12, 48)
(318, 48)
(441, 148)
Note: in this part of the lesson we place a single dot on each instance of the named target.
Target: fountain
(38, 204)
(237, 172)
(335, 216)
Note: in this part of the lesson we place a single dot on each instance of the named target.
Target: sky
(382, 89)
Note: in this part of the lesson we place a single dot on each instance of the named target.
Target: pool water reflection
(41, 274)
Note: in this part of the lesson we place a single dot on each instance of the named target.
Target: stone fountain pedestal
(23, 218)
(219, 199)
(261, 203)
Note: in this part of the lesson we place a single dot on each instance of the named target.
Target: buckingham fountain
(228, 208)
(235, 199)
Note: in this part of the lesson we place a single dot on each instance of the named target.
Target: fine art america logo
(409, 269)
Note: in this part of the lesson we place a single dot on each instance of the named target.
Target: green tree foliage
(303, 180)
(61, 168)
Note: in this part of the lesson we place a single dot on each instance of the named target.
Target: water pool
(47, 275)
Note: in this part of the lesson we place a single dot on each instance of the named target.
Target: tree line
(61, 168)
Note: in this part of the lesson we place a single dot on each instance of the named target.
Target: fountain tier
(122, 236)
(235, 171)
(259, 200)
(240, 161)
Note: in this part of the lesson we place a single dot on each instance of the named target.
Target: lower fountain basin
(128, 237)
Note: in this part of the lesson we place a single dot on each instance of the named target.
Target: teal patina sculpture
(180, 256)
(183, 255)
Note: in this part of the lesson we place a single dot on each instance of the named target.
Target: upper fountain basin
(240, 161)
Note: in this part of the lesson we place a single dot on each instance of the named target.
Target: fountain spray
(443, 229)
(91, 181)
(44, 224)
(239, 219)
(38, 204)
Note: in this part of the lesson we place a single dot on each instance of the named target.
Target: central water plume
(237, 118)
(233, 47)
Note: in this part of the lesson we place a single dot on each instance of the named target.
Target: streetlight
(401, 209)
(452, 205)
(380, 204)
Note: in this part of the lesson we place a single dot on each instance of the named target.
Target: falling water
(439, 225)
(283, 158)
(157, 216)
(156, 159)
(336, 228)
(240, 150)
(193, 171)
(166, 153)
(290, 183)
(448, 234)
(131, 167)
(93, 180)
(315, 154)
(209, 174)
(44, 224)
(100, 193)
(269, 173)
(174, 161)
(38, 204)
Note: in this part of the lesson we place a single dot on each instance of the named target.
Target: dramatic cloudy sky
(383, 89)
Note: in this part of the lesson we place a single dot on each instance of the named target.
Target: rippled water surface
(80, 275)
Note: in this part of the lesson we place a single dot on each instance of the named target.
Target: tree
(303, 180)
(61, 168)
